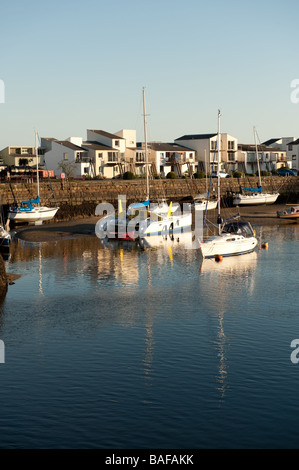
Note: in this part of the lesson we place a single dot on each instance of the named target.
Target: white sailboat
(31, 211)
(144, 219)
(254, 196)
(202, 202)
(234, 237)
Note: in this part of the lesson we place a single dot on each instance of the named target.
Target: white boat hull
(5, 237)
(172, 224)
(227, 245)
(37, 214)
(203, 205)
(254, 199)
(112, 228)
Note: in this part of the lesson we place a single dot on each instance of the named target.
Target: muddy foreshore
(256, 215)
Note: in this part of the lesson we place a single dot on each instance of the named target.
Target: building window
(140, 157)
(112, 157)
(290, 148)
(294, 157)
(116, 143)
(231, 145)
(65, 156)
(231, 156)
(100, 155)
(213, 144)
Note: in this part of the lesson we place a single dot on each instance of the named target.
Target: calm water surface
(149, 347)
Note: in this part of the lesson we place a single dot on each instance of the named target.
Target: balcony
(82, 157)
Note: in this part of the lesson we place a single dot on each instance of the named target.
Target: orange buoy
(218, 258)
(265, 246)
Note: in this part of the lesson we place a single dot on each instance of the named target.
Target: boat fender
(218, 258)
(265, 246)
(284, 212)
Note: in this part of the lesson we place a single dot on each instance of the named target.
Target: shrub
(171, 175)
(199, 174)
(238, 174)
(128, 175)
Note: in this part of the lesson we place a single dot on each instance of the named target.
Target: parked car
(222, 174)
(286, 172)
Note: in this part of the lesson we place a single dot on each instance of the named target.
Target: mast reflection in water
(131, 345)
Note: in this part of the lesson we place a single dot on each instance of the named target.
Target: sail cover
(254, 190)
(34, 201)
(138, 205)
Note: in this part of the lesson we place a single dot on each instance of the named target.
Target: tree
(68, 168)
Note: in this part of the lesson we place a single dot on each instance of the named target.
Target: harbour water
(114, 346)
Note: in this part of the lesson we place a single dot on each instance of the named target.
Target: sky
(67, 66)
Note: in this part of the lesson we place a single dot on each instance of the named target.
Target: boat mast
(219, 220)
(145, 143)
(37, 172)
(257, 157)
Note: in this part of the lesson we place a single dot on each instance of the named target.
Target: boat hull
(292, 213)
(112, 228)
(36, 214)
(203, 205)
(172, 224)
(227, 245)
(254, 199)
(5, 238)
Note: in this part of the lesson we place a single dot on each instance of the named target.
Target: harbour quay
(79, 198)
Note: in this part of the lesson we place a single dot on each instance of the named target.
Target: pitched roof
(168, 147)
(106, 134)
(67, 143)
(270, 141)
(295, 142)
(197, 136)
(95, 145)
(261, 148)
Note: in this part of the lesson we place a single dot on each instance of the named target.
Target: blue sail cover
(34, 201)
(254, 190)
(138, 205)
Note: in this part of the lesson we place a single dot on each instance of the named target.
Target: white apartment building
(205, 146)
(66, 151)
(293, 153)
(285, 144)
(19, 156)
(269, 158)
(167, 157)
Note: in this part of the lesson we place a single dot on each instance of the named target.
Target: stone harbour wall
(77, 198)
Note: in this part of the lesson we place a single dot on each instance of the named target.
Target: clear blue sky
(69, 65)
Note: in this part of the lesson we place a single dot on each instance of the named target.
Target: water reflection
(130, 283)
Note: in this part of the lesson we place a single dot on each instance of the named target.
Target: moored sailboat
(254, 196)
(144, 218)
(31, 211)
(234, 237)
